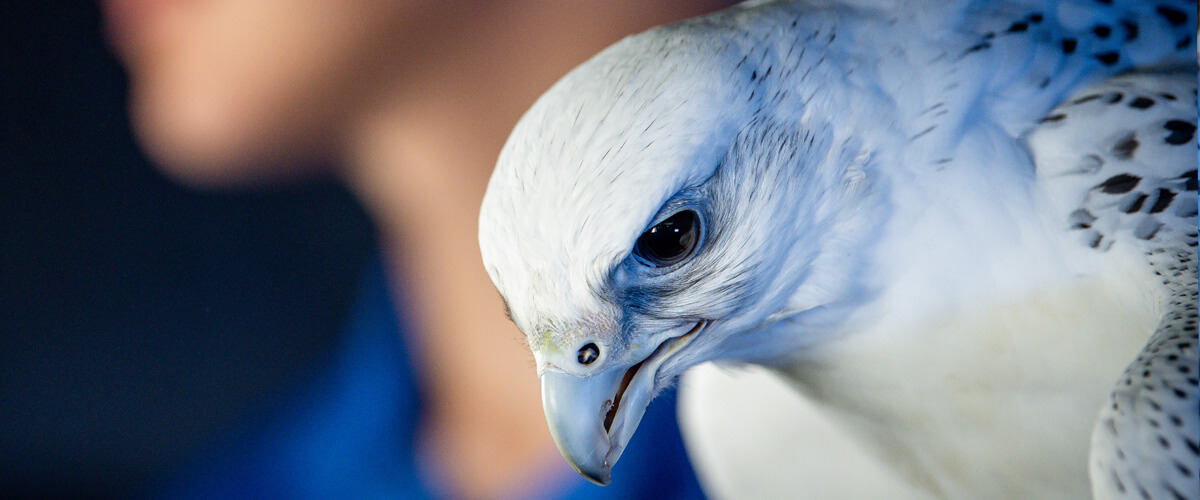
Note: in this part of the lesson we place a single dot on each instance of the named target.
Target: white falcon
(964, 231)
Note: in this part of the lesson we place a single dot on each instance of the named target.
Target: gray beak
(592, 417)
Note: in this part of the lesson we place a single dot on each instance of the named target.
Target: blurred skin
(412, 100)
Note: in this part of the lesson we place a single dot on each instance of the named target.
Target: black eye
(670, 241)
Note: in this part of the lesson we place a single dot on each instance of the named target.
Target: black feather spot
(1081, 219)
(1120, 183)
(1125, 147)
(1164, 200)
(1018, 27)
(1184, 42)
(1147, 229)
(1095, 243)
(1174, 16)
(1181, 132)
(1167, 96)
(1135, 203)
(1115, 97)
(1105, 2)
(1068, 45)
(1036, 17)
(1086, 98)
(977, 47)
(1054, 117)
(1131, 29)
(1108, 58)
(1141, 102)
(1102, 31)
(1189, 180)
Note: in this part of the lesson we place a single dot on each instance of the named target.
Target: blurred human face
(236, 91)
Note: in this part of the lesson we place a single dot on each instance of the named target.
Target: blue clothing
(350, 431)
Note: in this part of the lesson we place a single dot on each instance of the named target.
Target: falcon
(964, 232)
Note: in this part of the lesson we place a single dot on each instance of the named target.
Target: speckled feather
(964, 193)
(1122, 154)
(1146, 443)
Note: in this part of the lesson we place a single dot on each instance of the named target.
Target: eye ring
(671, 241)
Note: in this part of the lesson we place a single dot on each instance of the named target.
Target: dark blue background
(139, 320)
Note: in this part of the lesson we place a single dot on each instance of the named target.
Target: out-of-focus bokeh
(164, 342)
(140, 321)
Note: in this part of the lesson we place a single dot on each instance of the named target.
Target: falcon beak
(592, 417)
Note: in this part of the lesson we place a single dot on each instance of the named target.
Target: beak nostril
(588, 354)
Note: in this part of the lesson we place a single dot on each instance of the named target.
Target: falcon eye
(669, 241)
(588, 354)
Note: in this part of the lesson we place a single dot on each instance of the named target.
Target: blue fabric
(349, 432)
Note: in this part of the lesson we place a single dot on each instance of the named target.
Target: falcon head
(650, 212)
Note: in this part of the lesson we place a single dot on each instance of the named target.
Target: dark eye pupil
(588, 354)
(670, 241)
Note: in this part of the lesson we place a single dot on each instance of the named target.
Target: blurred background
(163, 341)
(101, 257)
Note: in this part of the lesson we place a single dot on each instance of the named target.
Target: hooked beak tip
(592, 417)
(600, 477)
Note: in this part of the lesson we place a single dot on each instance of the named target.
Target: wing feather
(1120, 157)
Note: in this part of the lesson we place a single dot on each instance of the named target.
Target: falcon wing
(1121, 156)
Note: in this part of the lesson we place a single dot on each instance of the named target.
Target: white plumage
(950, 227)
